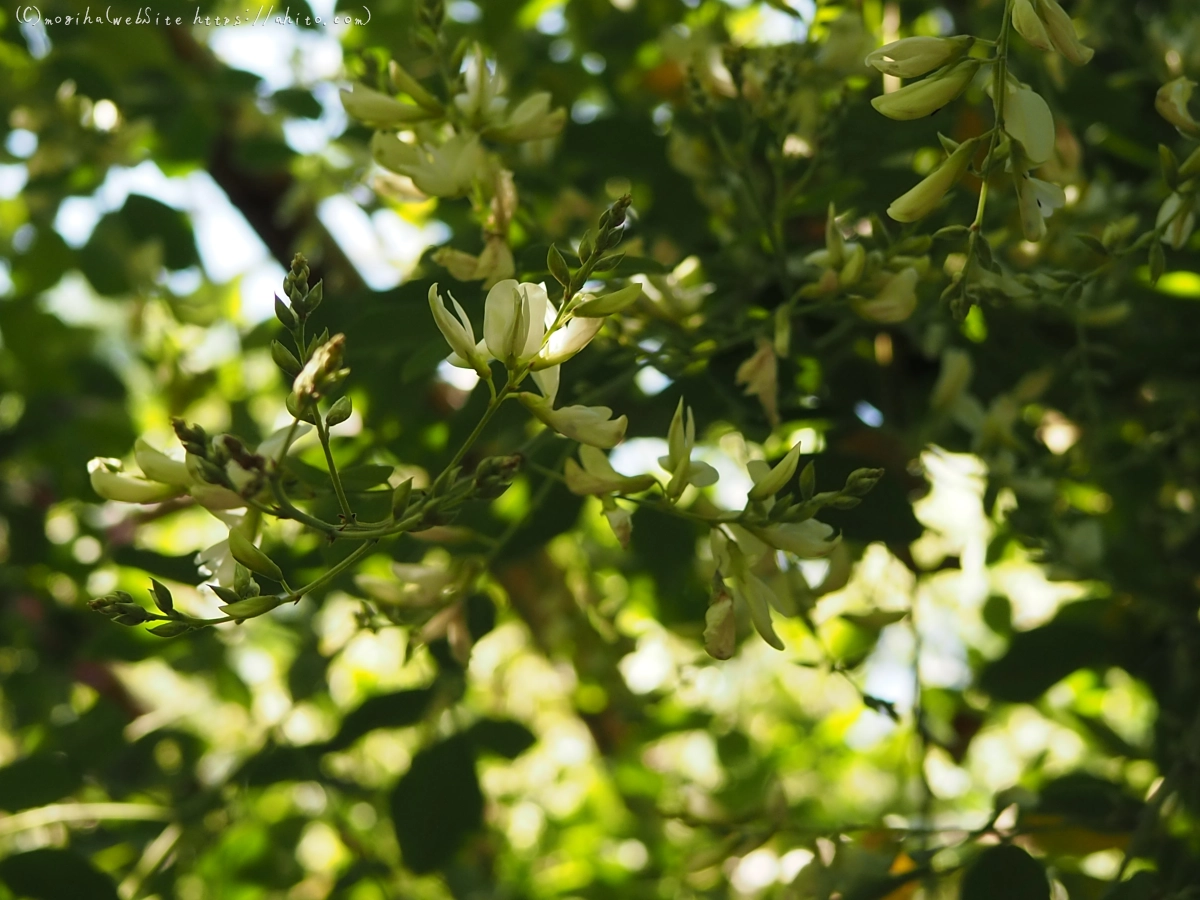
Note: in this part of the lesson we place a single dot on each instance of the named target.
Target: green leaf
(1005, 873)
(397, 710)
(53, 874)
(37, 780)
(504, 737)
(437, 804)
(1093, 243)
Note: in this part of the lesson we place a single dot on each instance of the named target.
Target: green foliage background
(590, 749)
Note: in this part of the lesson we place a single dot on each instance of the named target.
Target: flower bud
(925, 97)
(914, 56)
(323, 369)
(403, 81)
(720, 626)
(1029, 25)
(953, 379)
(251, 557)
(774, 480)
(894, 302)
(1171, 101)
(494, 474)
(923, 199)
(809, 539)
(250, 607)
(1061, 31)
(597, 476)
(606, 305)
(1178, 224)
(339, 412)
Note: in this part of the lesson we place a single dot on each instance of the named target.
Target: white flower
(380, 110)
(597, 476)
(895, 300)
(1171, 101)
(681, 438)
(457, 331)
(514, 320)
(914, 56)
(1037, 199)
(414, 584)
(760, 374)
(445, 171)
(483, 102)
(925, 97)
(1027, 119)
(1181, 223)
(746, 587)
(111, 483)
(768, 480)
(809, 539)
(592, 425)
(531, 120)
(567, 340)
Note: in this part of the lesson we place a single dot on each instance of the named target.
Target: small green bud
(339, 412)
(284, 314)
(170, 629)
(608, 263)
(1170, 166)
(598, 307)
(244, 584)
(250, 607)
(285, 359)
(251, 557)
(587, 246)
(860, 482)
(161, 596)
(400, 498)
(494, 474)
(558, 266)
(808, 480)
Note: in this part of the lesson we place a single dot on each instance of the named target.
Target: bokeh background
(1021, 643)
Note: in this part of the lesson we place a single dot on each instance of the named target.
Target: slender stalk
(323, 434)
(333, 572)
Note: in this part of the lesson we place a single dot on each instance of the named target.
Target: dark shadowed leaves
(1005, 873)
(396, 710)
(504, 737)
(51, 874)
(437, 804)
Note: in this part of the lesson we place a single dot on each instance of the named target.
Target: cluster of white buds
(745, 542)
(1026, 120)
(881, 287)
(442, 148)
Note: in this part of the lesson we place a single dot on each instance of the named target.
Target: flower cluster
(1024, 135)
